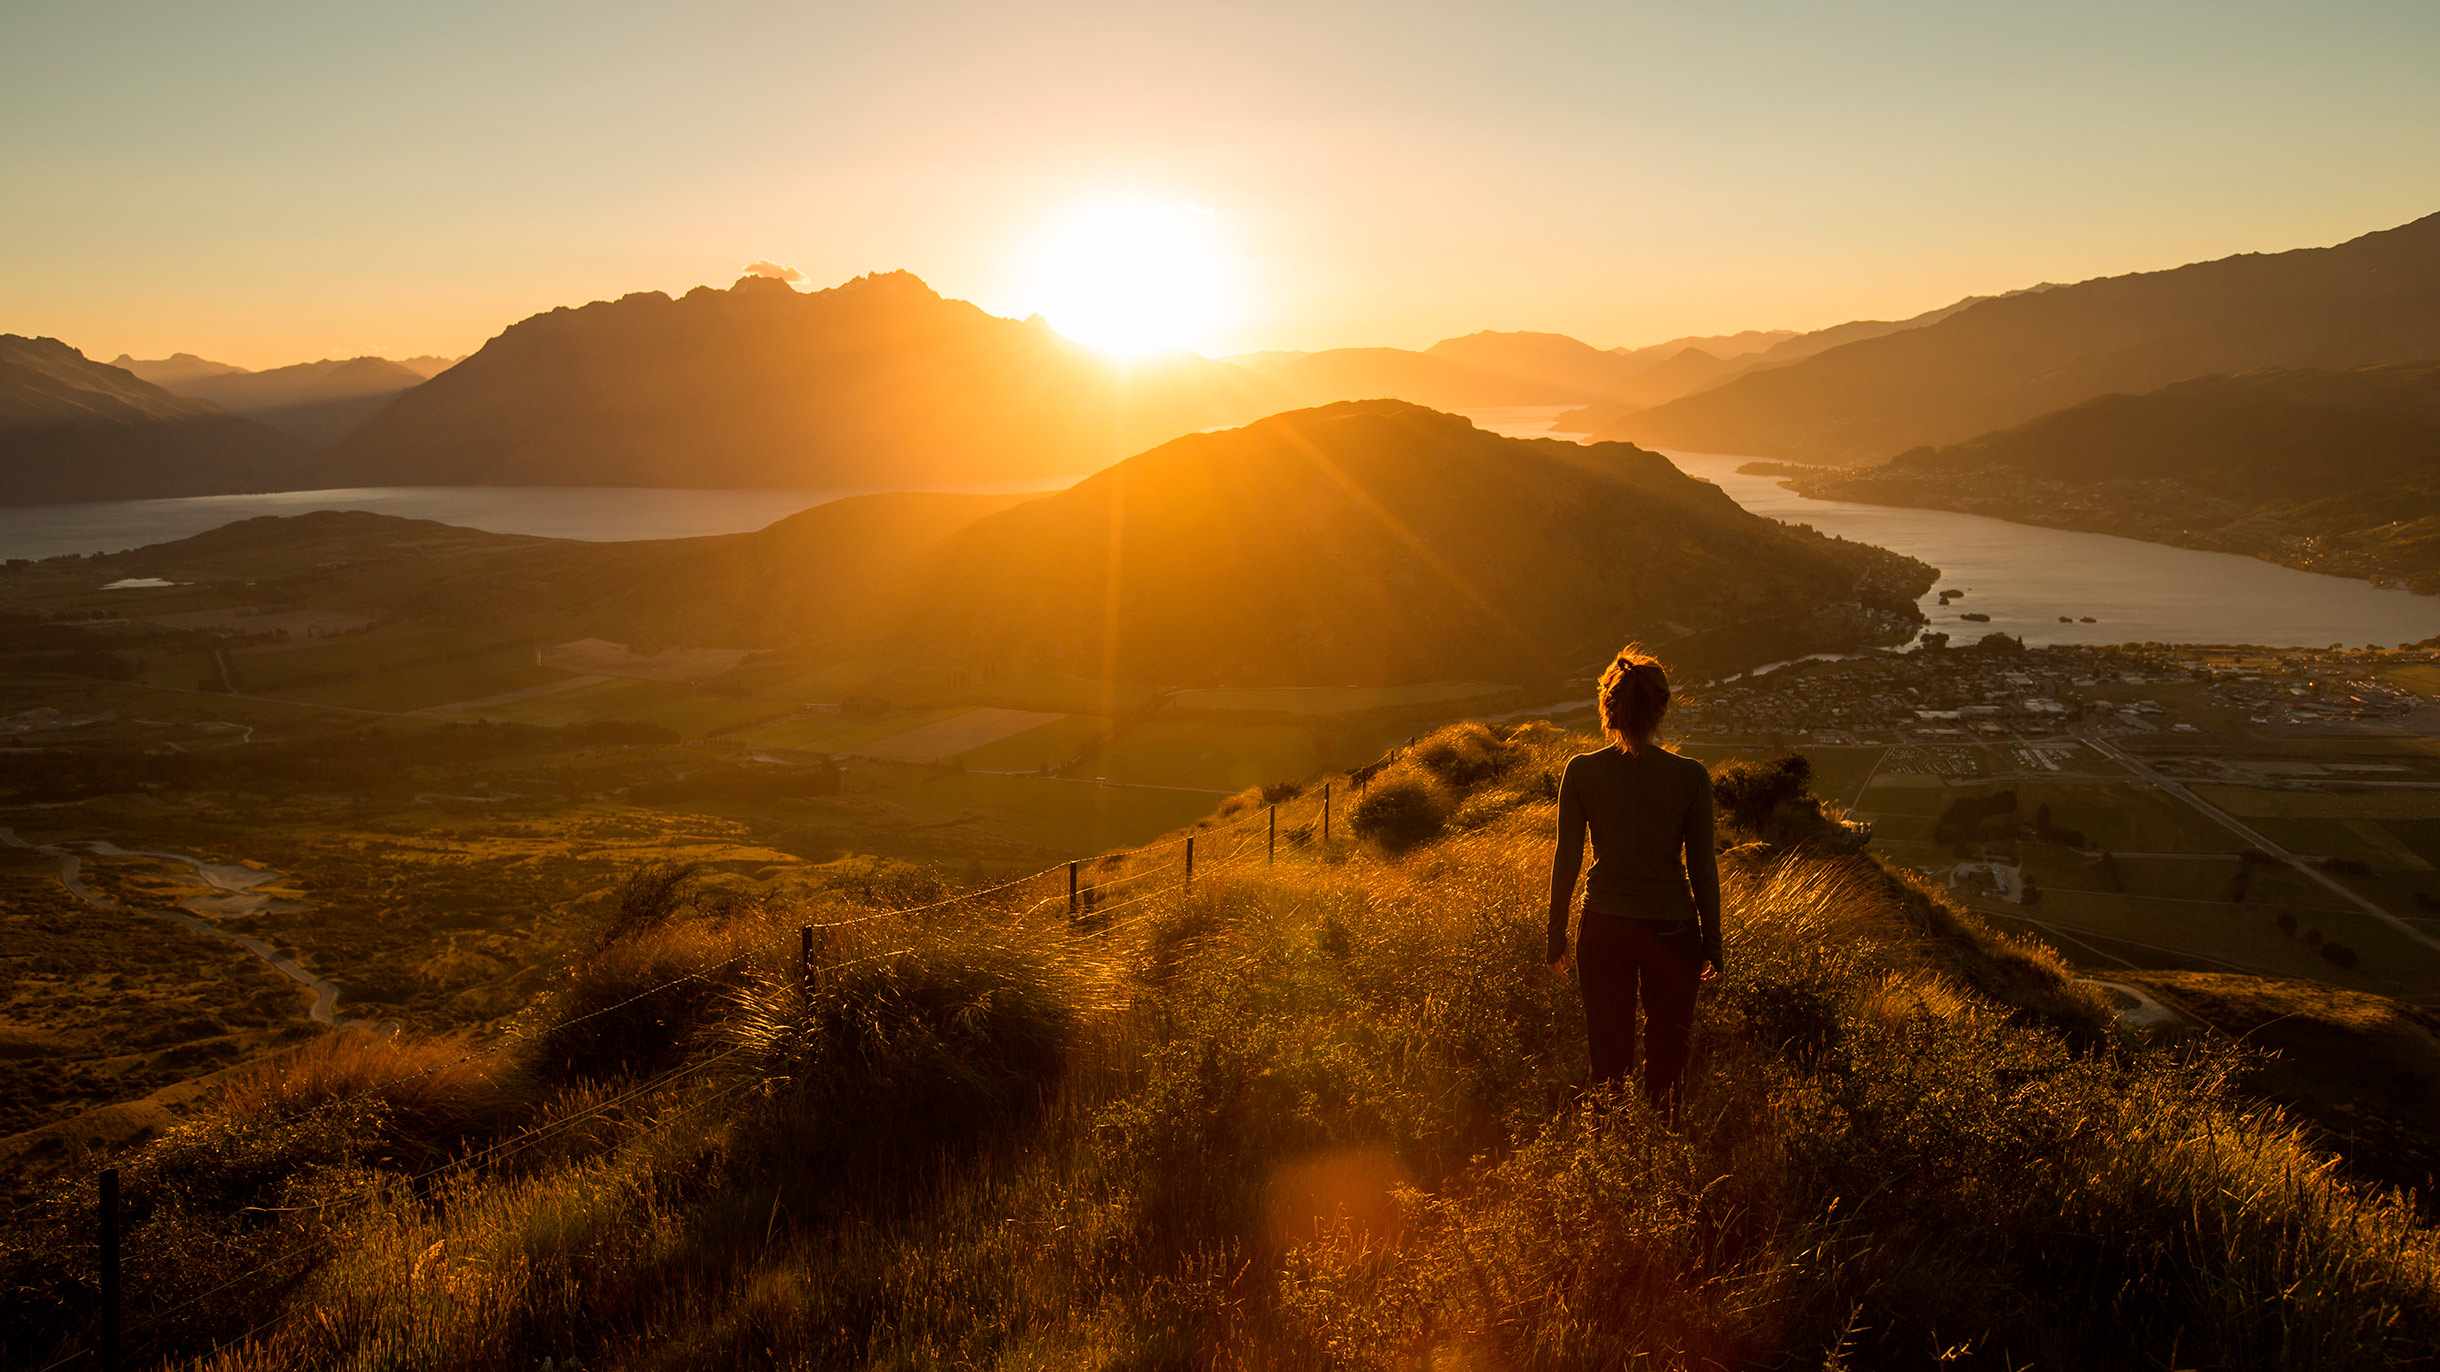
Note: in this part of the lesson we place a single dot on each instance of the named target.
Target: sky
(266, 183)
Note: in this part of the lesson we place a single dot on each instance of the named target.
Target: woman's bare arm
(1566, 862)
(1703, 871)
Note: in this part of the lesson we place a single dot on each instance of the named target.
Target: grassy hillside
(1317, 1113)
(2373, 299)
(2332, 470)
(74, 429)
(875, 383)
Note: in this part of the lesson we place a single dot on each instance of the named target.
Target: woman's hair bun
(1634, 695)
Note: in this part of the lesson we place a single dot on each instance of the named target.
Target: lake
(2025, 577)
(598, 514)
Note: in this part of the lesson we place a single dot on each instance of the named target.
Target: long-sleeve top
(1649, 815)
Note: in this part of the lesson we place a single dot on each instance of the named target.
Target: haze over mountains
(2332, 470)
(876, 382)
(320, 402)
(1366, 542)
(75, 429)
(2004, 361)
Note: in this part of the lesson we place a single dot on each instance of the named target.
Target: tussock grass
(1322, 1114)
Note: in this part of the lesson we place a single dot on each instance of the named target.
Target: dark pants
(1664, 958)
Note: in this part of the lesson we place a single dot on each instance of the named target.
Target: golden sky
(273, 183)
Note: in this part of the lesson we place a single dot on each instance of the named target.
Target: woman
(1652, 905)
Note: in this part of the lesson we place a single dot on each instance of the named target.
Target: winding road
(220, 876)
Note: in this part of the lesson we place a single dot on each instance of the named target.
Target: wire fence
(1090, 906)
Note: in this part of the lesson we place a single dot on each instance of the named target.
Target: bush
(1463, 756)
(428, 1092)
(641, 1004)
(1398, 812)
(901, 1050)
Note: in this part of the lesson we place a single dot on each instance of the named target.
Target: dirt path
(220, 876)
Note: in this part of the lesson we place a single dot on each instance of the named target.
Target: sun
(1133, 278)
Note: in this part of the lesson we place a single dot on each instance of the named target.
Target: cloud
(774, 270)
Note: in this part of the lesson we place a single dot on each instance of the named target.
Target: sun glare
(1134, 278)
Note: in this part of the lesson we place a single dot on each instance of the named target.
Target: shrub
(1463, 756)
(651, 896)
(425, 1091)
(1398, 812)
(640, 1005)
(900, 1050)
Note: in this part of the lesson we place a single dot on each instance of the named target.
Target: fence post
(1071, 888)
(109, 1216)
(1325, 812)
(1274, 853)
(804, 957)
(1190, 859)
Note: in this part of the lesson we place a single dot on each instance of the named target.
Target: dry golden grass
(1329, 1114)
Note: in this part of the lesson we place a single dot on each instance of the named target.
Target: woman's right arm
(1703, 868)
(1566, 862)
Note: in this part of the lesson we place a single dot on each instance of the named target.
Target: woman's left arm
(1703, 870)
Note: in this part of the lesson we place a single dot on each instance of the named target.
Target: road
(325, 994)
(2255, 837)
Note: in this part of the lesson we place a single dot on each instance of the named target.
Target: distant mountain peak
(754, 283)
(900, 282)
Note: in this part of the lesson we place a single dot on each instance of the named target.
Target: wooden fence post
(1072, 889)
(109, 1217)
(1190, 859)
(1325, 812)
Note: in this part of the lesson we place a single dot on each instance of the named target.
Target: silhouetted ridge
(1378, 541)
(2372, 299)
(876, 382)
(74, 429)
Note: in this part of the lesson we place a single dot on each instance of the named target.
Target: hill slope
(2373, 299)
(1366, 542)
(1322, 1107)
(877, 382)
(2330, 470)
(1382, 542)
(74, 429)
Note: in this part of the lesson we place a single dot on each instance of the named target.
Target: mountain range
(878, 382)
(1362, 542)
(2004, 361)
(1483, 370)
(75, 429)
(2334, 470)
(320, 402)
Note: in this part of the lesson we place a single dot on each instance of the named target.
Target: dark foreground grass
(1324, 1114)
